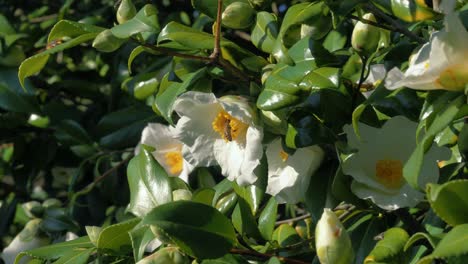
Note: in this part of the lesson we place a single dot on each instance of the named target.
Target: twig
(370, 22)
(265, 256)
(397, 26)
(292, 220)
(217, 34)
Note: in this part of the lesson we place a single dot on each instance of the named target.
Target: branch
(265, 256)
(397, 26)
(217, 34)
(292, 220)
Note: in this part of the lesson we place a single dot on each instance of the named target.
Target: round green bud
(238, 15)
(126, 11)
(365, 37)
(181, 194)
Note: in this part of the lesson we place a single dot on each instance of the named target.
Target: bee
(53, 43)
(227, 130)
(366, 87)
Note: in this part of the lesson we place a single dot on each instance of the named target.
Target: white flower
(27, 239)
(220, 132)
(289, 175)
(168, 149)
(376, 75)
(332, 241)
(377, 167)
(442, 63)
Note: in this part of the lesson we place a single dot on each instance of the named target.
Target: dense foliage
(235, 131)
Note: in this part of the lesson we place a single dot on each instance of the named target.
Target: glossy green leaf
(318, 195)
(306, 130)
(140, 238)
(137, 51)
(433, 240)
(210, 7)
(286, 235)
(71, 29)
(165, 100)
(197, 229)
(149, 184)
(281, 88)
(116, 237)
(76, 256)
(449, 201)
(463, 142)
(265, 31)
(56, 251)
(34, 64)
(267, 219)
(93, 233)
(16, 101)
(123, 128)
(252, 194)
(226, 259)
(146, 20)
(363, 231)
(390, 248)
(71, 132)
(454, 244)
(227, 202)
(142, 85)
(243, 219)
(204, 195)
(165, 256)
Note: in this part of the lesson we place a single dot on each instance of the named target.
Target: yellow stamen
(454, 77)
(284, 156)
(389, 173)
(228, 127)
(175, 161)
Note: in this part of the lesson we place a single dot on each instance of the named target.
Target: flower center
(228, 126)
(284, 156)
(389, 173)
(175, 161)
(454, 77)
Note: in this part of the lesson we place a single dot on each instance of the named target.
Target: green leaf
(16, 101)
(265, 31)
(34, 64)
(166, 99)
(204, 195)
(137, 51)
(197, 229)
(71, 29)
(281, 88)
(165, 256)
(76, 256)
(243, 219)
(116, 237)
(305, 130)
(210, 7)
(226, 259)
(56, 250)
(140, 237)
(449, 201)
(70, 132)
(149, 184)
(390, 248)
(141, 85)
(454, 244)
(123, 128)
(146, 20)
(286, 235)
(93, 233)
(267, 219)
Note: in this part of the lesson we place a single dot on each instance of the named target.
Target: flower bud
(260, 4)
(238, 15)
(107, 42)
(365, 37)
(126, 11)
(181, 194)
(332, 241)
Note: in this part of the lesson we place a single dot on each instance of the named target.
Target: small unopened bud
(126, 11)
(238, 15)
(365, 37)
(332, 241)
